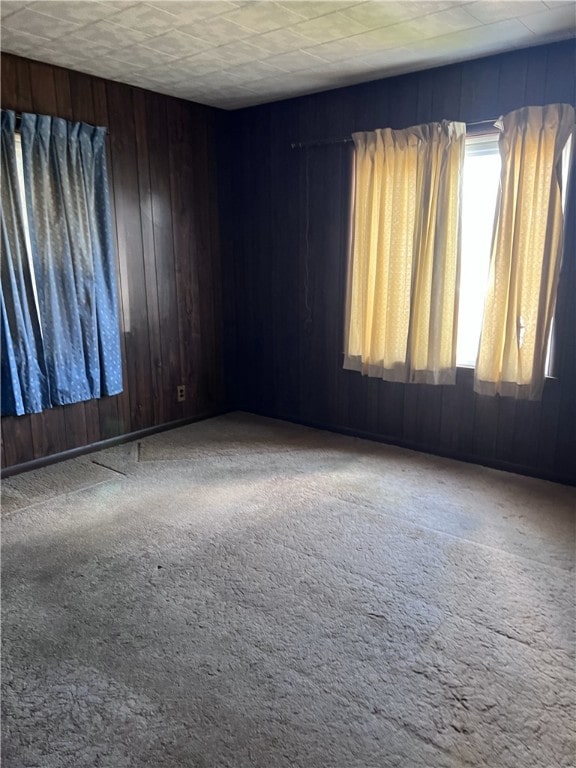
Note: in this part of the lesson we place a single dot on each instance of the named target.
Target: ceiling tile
(110, 34)
(7, 7)
(74, 46)
(146, 18)
(331, 27)
(165, 77)
(112, 5)
(216, 31)
(488, 13)
(204, 63)
(373, 15)
(175, 74)
(237, 91)
(239, 53)
(350, 66)
(548, 37)
(14, 39)
(560, 18)
(63, 59)
(372, 62)
(177, 44)
(198, 86)
(281, 40)
(194, 10)
(138, 79)
(443, 22)
(302, 82)
(274, 82)
(142, 56)
(108, 68)
(255, 70)
(413, 9)
(36, 23)
(225, 81)
(382, 14)
(484, 39)
(263, 16)
(294, 60)
(72, 10)
(343, 49)
(387, 37)
(310, 10)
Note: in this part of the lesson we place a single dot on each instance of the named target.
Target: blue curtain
(24, 382)
(68, 203)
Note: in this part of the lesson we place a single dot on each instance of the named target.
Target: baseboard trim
(504, 466)
(43, 461)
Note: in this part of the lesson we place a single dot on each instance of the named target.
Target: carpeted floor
(245, 593)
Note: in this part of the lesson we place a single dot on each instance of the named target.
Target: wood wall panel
(165, 221)
(285, 221)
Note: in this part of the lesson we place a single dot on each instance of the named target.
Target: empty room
(288, 376)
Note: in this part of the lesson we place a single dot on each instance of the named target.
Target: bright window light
(480, 189)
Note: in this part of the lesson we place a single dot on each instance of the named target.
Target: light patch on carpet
(48, 482)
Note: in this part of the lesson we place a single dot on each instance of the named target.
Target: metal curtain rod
(348, 140)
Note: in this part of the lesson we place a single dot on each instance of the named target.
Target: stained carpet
(246, 593)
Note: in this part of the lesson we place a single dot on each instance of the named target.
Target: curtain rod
(348, 140)
(18, 116)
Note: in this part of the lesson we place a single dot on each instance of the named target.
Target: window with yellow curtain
(526, 252)
(402, 309)
(403, 278)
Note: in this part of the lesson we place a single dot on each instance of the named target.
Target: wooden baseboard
(504, 466)
(16, 469)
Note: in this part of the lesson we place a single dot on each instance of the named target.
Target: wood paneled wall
(285, 214)
(162, 174)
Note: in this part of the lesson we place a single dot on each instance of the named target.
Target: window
(479, 192)
(418, 304)
(60, 329)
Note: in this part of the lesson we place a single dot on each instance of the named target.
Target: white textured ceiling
(233, 54)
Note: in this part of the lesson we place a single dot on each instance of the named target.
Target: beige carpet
(245, 593)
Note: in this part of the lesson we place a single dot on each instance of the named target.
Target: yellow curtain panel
(402, 300)
(526, 252)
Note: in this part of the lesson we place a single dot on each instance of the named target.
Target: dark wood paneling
(185, 197)
(203, 234)
(285, 219)
(163, 238)
(132, 288)
(165, 221)
(158, 404)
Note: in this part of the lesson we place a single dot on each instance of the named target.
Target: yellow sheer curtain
(403, 275)
(526, 253)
